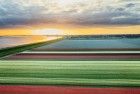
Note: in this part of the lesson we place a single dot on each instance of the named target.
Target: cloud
(78, 12)
(130, 5)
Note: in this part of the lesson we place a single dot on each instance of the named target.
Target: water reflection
(93, 44)
(10, 41)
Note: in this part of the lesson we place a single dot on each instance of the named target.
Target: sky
(29, 17)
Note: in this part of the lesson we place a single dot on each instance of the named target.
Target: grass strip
(14, 50)
(73, 73)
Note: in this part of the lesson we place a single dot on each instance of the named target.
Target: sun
(48, 32)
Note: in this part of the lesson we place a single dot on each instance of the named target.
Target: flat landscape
(87, 67)
(69, 77)
(69, 46)
(73, 73)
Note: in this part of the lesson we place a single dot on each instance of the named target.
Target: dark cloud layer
(83, 12)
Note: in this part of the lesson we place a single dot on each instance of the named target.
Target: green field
(75, 73)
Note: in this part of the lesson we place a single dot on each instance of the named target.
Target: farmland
(71, 73)
(79, 70)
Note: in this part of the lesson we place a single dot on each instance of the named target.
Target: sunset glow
(70, 30)
(48, 32)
